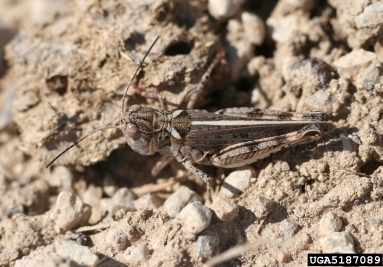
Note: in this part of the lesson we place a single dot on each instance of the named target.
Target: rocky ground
(65, 65)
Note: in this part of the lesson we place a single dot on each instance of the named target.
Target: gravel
(206, 245)
(237, 181)
(61, 253)
(224, 209)
(136, 255)
(117, 238)
(179, 199)
(338, 242)
(195, 217)
(70, 212)
(122, 199)
(330, 223)
(289, 227)
(224, 9)
(148, 201)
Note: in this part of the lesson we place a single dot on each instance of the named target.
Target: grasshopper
(228, 138)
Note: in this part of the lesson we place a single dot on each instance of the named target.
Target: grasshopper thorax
(145, 129)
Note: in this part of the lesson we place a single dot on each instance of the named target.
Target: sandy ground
(64, 70)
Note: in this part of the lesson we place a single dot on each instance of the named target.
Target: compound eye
(135, 107)
(133, 131)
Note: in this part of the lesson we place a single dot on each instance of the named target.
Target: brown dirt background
(63, 74)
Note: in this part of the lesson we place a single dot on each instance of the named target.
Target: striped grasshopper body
(228, 138)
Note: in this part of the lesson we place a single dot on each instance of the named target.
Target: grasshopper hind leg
(250, 151)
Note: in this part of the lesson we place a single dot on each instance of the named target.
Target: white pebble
(262, 182)
(254, 28)
(206, 245)
(148, 202)
(61, 253)
(288, 227)
(330, 223)
(61, 177)
(225, 209)
(92, 195)
(304, 4)
(122, 199)
(80, 254)
(195, 218)
(237, 181)
(117, 238)
(338, 242)
(282, 28)
(239, 49)
(224, 9)
(179, 199)
(109, 186)
(70, 211)
(370, 17)
(136, 255)
(261, 206)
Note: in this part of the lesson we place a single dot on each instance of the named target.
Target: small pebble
(368, 135)
(282, 29)
(80, 254)
(254, 27)
(261, 206)
(262, 182)
(92, 195)
(224, 9)
(136, 255)
(195, 217)
(349, 66)
(237, 181)
(117, 238)
(9, 254)
(317, 101)
(70, 211)
(303, 4)
(146, 214)
(179, 199)
(17, 209)
(61, 253)
(109, 186)
(6, 113)
(206, 245)
(61, 177)
(338, 242)
(371, 17)
(239, 49)
(148, 201)
(283, 257)
(122, 199)
(288, 227)
(225, 209)
(329, 223)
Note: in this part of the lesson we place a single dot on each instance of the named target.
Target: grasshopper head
(137, 127)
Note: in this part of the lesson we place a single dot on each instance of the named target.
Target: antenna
(78, 141)
(122, 109)
(134, 75)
